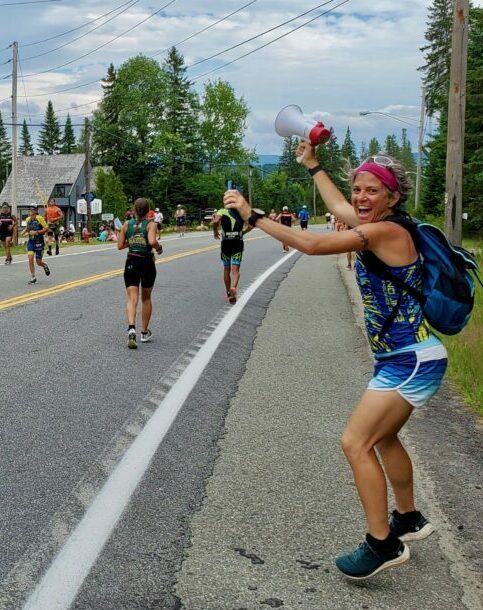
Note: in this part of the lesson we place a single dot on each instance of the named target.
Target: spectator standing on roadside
(273, 214)
(304, 216)
(409, 360)
(180, 215)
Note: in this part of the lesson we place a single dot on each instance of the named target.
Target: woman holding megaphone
(409, 361)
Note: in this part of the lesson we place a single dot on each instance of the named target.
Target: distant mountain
(268, 160)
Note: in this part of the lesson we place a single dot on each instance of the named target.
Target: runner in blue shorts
(36, 227)
(409, 361)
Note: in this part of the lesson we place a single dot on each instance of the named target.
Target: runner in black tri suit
(232, 231)
(139, 235)
(285, 218)
(7, 228)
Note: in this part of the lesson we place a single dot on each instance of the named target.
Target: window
(61, 190)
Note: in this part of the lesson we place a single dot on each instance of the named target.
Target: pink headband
(381, 172)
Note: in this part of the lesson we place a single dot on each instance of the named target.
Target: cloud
(362, 56)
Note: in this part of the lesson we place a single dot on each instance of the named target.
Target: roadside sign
(96, 206)
(81, 206)
(107, 216)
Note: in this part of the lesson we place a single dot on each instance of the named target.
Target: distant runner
(35, 228)
(7, 230)
(139, 235)
(180, 215)
(285, 218)
(304, 218)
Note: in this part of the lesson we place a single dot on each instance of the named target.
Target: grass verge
(465, 350)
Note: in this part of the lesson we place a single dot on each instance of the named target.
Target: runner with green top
(232, 231)
(139, 235)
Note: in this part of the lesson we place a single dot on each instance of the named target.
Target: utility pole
(456, 123)
(14, 127)
(422, 115)
(87, 171)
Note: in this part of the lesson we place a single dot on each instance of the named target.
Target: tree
(330, 157)
(223, 124)
(391, 146)
(374, 147)
(128, 121)
(473, 168)
(348, 149)
(288, 160)
(178, 142)
(437, 55)
(5, 149)
(68, 144)
(25, 147)
(109, 190)
(49, 135)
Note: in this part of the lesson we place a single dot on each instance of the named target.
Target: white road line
(91, 251)
(60, 584)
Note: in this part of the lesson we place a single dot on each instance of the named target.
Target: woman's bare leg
(378, 415)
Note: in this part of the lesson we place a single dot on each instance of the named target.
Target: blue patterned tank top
(379, 297)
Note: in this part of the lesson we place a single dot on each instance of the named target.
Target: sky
(361, 55)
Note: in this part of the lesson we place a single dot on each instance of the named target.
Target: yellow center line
(46, 292)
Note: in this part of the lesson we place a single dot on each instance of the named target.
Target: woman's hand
(306, 152)
(234, 199)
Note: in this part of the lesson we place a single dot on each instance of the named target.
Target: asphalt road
(247, 499)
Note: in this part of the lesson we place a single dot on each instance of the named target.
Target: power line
(79, 27)
(100, 46)
(130, 5)
(24, 89)
(261, 34)
(92, 82)
(176, 44)
(28, 2)
(272, 41)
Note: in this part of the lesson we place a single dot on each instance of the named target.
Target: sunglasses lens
(384, 161)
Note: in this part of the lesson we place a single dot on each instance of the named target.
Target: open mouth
(363, 212)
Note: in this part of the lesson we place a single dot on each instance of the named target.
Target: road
(183, 526)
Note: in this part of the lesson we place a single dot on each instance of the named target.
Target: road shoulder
(281, 503)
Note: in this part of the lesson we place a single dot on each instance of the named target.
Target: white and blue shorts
(416, 374)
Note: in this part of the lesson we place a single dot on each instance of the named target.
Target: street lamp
(420, 126)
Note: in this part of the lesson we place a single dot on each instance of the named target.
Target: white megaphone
(290, 122)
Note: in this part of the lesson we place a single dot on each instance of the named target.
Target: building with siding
(40, 177)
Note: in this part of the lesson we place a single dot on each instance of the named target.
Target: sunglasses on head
(382, 160)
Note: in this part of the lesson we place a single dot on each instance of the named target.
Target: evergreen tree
(178, 143)
(288, 161)
(473, 168)
(68, 144)
(330, 157)
(374, 147)
(437, 54)
(25, 147)
(109, 189)
(49, 135)
(5, 149)
(391, 147)
(364, 151)
(348, 149)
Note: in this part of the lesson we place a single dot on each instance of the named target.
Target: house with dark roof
(41, 177)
